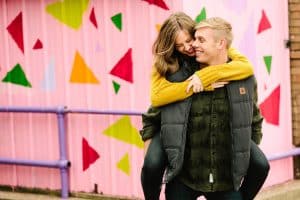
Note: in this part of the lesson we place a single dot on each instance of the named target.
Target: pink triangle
(264, 23)
(38, 44)
(89, 155)
(123, 68)
(93, 18)
(270, 107)
(159, 3)
(15, 28)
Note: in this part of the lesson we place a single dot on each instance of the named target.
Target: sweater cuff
(208, 75)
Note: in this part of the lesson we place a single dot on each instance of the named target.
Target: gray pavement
(285, 191)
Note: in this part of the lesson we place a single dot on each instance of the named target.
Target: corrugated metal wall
(79, 53)
(62, 53)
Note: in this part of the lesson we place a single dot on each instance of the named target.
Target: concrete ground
(285, 191)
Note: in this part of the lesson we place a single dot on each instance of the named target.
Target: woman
(173, 54)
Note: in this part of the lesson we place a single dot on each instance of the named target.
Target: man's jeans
(175, 190)
(155, 162)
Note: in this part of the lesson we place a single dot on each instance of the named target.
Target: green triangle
(116, 87)
(268, 62)
(123, 130)
(117, 20)
(124, 164)
(201, 16)
(17, 76)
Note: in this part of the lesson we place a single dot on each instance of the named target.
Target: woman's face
(183, 43)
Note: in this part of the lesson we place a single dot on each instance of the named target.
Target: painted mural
(97, 55)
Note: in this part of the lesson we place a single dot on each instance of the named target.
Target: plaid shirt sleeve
(151, 123)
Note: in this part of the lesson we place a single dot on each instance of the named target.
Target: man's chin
(199, 59)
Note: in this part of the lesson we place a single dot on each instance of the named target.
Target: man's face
(183, 43)
(205, 45)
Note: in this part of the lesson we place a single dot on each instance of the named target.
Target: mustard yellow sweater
(164, 92)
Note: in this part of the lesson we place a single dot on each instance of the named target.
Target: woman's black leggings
(155, 162)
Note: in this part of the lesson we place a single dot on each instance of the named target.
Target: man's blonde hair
(221, 27)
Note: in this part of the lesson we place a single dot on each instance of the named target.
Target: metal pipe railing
(63, 163)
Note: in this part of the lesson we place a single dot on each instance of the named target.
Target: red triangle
(270, 107)
(93, 18)
(264, 23)
(159, 3)
(38, 44)
(89, 155)
(15, 28)
(123, 68)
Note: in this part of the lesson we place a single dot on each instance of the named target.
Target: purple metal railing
(63, 163)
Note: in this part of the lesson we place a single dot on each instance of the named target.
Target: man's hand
(219, 84)
(194, 83)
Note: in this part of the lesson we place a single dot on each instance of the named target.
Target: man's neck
(221, 58)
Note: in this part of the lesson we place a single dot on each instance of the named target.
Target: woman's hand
(194, 83)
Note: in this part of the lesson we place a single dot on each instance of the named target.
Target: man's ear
(222, 43)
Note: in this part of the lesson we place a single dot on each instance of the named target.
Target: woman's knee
(153, 164)
(258, 161)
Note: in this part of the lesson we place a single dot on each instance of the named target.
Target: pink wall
(77, 66)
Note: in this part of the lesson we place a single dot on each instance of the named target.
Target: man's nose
(195, 44)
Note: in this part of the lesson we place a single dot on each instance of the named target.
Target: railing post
(64, 171)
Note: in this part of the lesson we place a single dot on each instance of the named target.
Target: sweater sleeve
(164, 92)
(257, 120)
(151, 123)
(239, 68)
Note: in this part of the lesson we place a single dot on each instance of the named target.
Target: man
(213, 129)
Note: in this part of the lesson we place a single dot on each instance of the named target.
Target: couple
(202, 139)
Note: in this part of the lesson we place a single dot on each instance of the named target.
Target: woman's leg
(257, 173)
(153, 169)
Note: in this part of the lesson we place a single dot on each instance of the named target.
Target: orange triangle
(81, 73)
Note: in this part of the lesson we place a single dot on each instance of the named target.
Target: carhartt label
(211, 178)
(242, 90)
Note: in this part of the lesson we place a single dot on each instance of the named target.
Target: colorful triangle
(159, 3)
(264, 23)
(124, 164)
(69, 12)
(117, 20)
(49, 77)
(268, 62)
(270, 107)
(15, 29)
(201, 16)
(123, 130)
(158, 26)
(17, 76)
(123, 69)
(93, 18)
(116, 87)
(98, 47)
(38, 44)
(89, 155)
(81, 73)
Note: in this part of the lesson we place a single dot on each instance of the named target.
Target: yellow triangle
(81, 72)
(124, 164)
(158, 26)
(123, 130)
